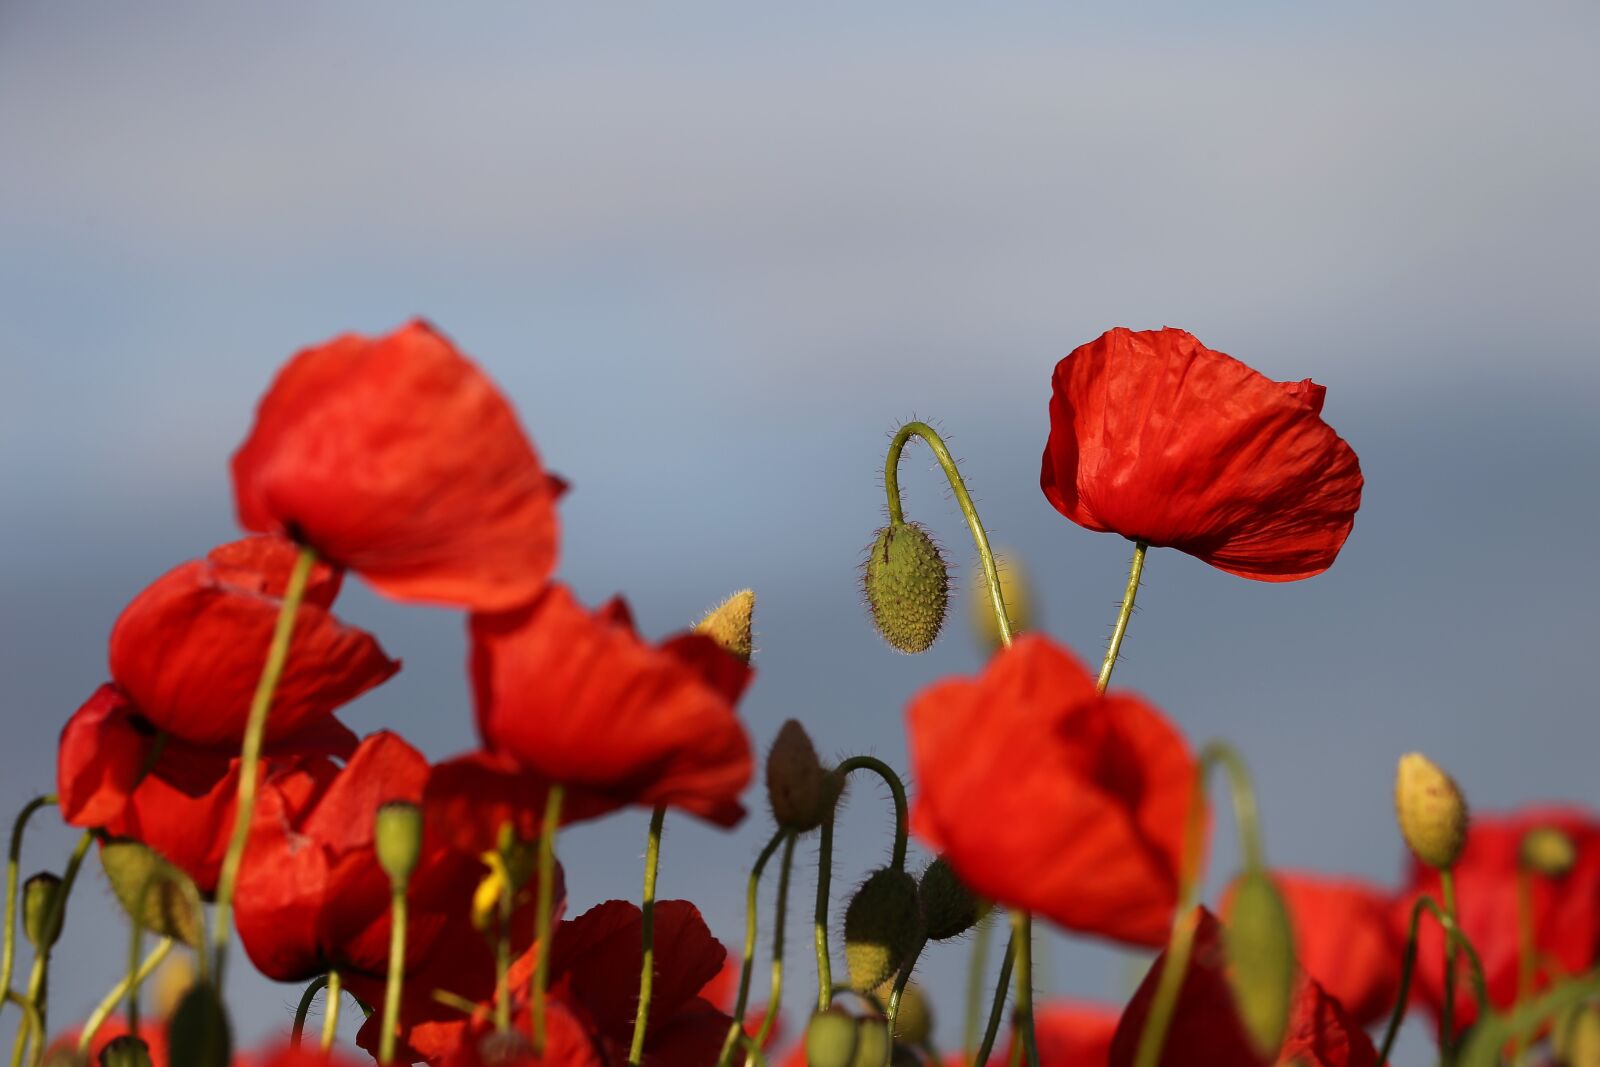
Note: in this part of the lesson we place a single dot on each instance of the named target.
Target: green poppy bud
(913, 1023)
(1259, 944)
(907, 585)
(797, 784)
(949, 908)
(831, 1039)
(198, 1033)
(729, 624)
(880, 927)
(872, 1042)
(1431, 811)
(126, 1050)
(397, 839)
(1548, 851)
(39, 895)
(134, 871)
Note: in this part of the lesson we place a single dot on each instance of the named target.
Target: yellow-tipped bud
(135, 871)
(397, 839)
(907, 586)
(1259, 943)
(949, 908)
(831, 1039)
(880, 927)
(125, 1050)
(729, 624)
(1431, 811)
(1018, 594)
(1548, 851)
(39, 895)
(797, 783)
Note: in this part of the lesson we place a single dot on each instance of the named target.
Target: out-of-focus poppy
(1069, 1035)
(1046, 796)
(154, 1035)
(472, 796)
(397, 458)
(307, 1055)
(1345, 939)
(577, 697)
(723, 990)
(1156, 437)
(189, 649)
(1565, 909)
(1206, 1030)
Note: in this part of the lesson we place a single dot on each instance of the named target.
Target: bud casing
(397, 839)
(39, 895)
(907, 585)
(797, 783)
(729, 624)
(1431, 811)
(881, 925)
(1258, 941)
(949, 908)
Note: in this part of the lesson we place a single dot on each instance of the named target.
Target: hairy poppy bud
(1018, 594)
(880, 927)
(136, 871)
(1431, 811)
(872, 1041)
(125, 1050)
(913, 1023)
(1548, 851)
(1259, 943)
(831, 1039)
(39, 895)
(728, 624)
(797, 783)
(198, 1034)
(907, 586)
(397, 838)
(948, 908)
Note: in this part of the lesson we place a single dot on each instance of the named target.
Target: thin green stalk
(751, 893)
(542, 920)
(38, 978)
(780, 923)
(958, 486)
(13, 862)
(1120, 628)
(126, 986)
(997, 1006)
(250, 755)
(1526, 963)
(1408, 964)
(397, 971)
(317, 985)
(1492, 1033)
(647, 914)
(901, 980)
(455, 1000)
(975, 966)
(896, 787)
(1447, 1049)
(330, 1010)
(1022, 931)
(502, 956)
(31, 1026)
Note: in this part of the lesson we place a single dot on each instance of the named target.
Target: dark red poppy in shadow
(397, 458)
(578, 698)
(1156, 437)
(1045, 796)
(1068, 1034)
(723, 990)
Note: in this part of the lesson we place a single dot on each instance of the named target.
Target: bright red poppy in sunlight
(1565, 909)
(578, 698)
(1046, 796)
(397, 458)
(1156, 437)
(188, 650)
(1206, 1031)
(1345, 939)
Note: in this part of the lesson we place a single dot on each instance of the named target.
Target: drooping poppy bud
(913, 1023)
(198, 1033)
(880, 927)
(1548, 851)
(872, 1041)
(907, 585)
(728, 624)
(139, 876)
(797, 784)
(831, 1039)
(1431, 811)
(949, 908)
(126, 1050)
(39, 895)
(1259, 944)
(1018, 594)
(397, 839)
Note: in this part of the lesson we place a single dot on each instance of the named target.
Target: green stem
(1120, 628)
(1526, 963)
(896, 787)
(780, 924)
(330, 1010)
(647, 915)
(1447, 885)
(952, 473)
(1494, 1032)
(396, 977)
(502, 943)
(542, 919)
(747, 969)
(1408, 965)
(317, 985)
(127, 986)
(13, 862)
(1022, 931)
(997, 1007)
(456, 1001)
(250, 754)
(31, 1026)
(901, 980)
(38, 978)
(975, 966)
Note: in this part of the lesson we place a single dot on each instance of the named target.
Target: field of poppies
(230, 808)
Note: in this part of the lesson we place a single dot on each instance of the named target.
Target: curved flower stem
(998, 1006)
(317, 985)
(647, 964)
(125, 987)
(751, 894)
(397, 970)
(542, 918)
(1022, 932)
(780, 924)
(952, 473)
(1408, 964)
(250, 754)
(975, 965)
(1120, 628)
(1447, 1049)
(896, 787)
(330, 1010)
(13, 861)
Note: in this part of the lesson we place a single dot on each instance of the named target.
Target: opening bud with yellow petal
(1259, 944)
(138, 874)
(39, 895)
(510, 867)
(907, 585)
(831, 1039)
(1548, 851)
(1017, 592)
(881, 925)
(1430, 810)
(949, 908)
(126, 1050)
(798, 787)
(872, 1041)
(729, 624)
(397, 839)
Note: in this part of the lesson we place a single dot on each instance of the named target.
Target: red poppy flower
(578, 698)
(1345, 939)
(1206, 1031)
(397, 458)
(1158, 438)
(188, 650)
(723, 990)
(307, 1055)
(182, 804)
(1045, 796)
(155, 1038)
(1067, 1035)
(471, 796)
(1566, 909)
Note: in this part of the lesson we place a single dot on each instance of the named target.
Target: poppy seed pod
(1431, 811)
(1548, 851)
(397, 839)
(728, 624)
(1259, 944)
(907, 585)
(39, 895)
(126, 1050)
(139, 875)
(949, 908)
(880, 927)
(797, 784)
(831, 1039)
(872, 1041)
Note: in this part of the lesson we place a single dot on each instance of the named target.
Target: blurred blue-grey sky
(715, 254)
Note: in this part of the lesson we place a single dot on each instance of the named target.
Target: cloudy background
(716, 254)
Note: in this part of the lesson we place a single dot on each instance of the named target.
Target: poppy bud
(797, 783)
(831, 1039)
(907, 586)
(872, 1042)
(1431, 811)
(913, 1023)
(948, 908)
(1577, 1037)
(198, 1034)
(728, 624)
(1018, 594)
(134, 871)
(1259, 944)
(397, 838)
(125, 1050)
(1548, 851)
(38, 899)
(880, 927)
